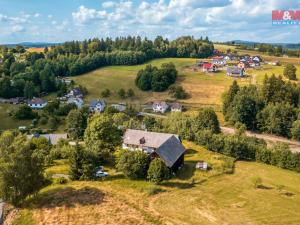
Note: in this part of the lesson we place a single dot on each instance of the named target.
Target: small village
(155, 112)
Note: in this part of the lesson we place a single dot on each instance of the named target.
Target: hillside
(194, 198)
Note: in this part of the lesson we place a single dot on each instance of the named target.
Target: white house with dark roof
(160, 106)
(97, 106)
(77, 101)
(75, 93)
(37, 103)
(176, 107)
(166, 146)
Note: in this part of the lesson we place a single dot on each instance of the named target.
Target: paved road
(294, 145)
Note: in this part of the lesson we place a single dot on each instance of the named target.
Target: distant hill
(293, 46)
(32, 44)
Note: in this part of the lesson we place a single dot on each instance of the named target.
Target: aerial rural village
(141, 129)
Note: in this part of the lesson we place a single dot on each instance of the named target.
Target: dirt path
(294, 145)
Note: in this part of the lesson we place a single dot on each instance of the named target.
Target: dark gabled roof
(170, 151)
(37, 101)
(152, 139)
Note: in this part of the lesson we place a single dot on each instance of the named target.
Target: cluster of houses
(240, 63)
(162, 107)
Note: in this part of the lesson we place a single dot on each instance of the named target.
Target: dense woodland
(272, 108)
(276, 50)
(31, 74)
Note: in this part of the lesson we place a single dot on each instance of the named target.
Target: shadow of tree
(68, 197)
(190, 151)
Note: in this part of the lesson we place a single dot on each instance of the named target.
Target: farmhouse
(209, 67)
(97, 106)
(219, 61)
(75, 93)
(235, 71)
(52, 138)
(120, 107)
(176, 107)
(166, 146)
(160, 106)
(77, 101)
(37, 103)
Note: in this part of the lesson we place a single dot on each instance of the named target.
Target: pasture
(194, 197)
(203, 88)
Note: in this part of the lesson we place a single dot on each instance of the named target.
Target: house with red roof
(209, 67)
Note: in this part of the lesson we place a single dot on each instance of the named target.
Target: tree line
(37, 72)
(271, 108)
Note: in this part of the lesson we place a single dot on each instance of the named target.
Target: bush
(133, 164)
(130, 93)
(24, 112)
(177, 92)
(290, 72)
(121, 93)
(158, 171)
(106, 93)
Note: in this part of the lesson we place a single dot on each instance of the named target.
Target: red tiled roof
(207, 65)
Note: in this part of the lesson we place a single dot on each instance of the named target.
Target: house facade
(168, 147)
(235, 71)
(176, 107)
(37, 103)
(77, 101)
(160, 106)
(120, 107)
(209, 67)
(75, 93)
(97, 106)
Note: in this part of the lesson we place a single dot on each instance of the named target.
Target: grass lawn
(7, 122)
(194, 197)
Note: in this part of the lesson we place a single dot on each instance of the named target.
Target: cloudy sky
(221, 20)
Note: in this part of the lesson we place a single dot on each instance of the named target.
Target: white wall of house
(37, 106)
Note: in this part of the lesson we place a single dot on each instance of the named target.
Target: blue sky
(220, 20)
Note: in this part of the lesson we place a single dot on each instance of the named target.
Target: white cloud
(36, 15)
(108, 4)
(85, 15)
(17, 29)
(50, 16)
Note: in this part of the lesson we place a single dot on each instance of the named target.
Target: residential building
(168, 147)
(120, 107)
(209, 67)
(160, 106)
(235, 71)
(77, 101)
(176, 107)
(75, 93)
(97, 106)
(37, 103)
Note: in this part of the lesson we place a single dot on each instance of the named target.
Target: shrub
(130, 93)
(106, 93)
(121, 93)
(24, 112)
(177, 92)
(133, 164)
(158, 171)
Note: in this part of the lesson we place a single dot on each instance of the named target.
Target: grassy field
(203, 88)
(195, 197)
(7, 122)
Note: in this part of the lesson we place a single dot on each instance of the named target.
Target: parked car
(101, 173)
